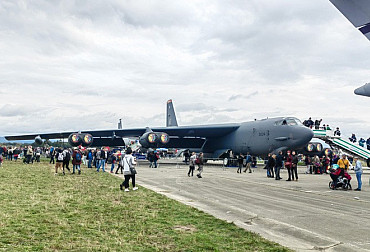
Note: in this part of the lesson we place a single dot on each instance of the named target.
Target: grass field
(43, 212)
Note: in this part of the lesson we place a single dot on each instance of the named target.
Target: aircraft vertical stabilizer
(170, 115)
(357, 12)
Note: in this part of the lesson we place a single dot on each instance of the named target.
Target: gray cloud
(82, 65)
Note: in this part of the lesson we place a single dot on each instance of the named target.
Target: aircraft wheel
(331, 185)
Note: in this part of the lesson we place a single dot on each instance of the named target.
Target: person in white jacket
(128, 161)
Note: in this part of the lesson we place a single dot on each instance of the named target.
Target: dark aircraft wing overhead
(357, 12)
(202, 131)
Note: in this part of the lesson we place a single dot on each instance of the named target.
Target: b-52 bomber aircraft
(258, 137)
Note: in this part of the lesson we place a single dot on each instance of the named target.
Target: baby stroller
(339, 181)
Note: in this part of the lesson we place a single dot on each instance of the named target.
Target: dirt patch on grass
(187, 229)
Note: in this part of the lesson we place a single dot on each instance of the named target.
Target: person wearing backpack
(66, 159)
(199, 161)
(128, 163)
(59, 160)
(76, 161)
(193, 157)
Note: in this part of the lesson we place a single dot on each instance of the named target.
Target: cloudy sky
(79, 65)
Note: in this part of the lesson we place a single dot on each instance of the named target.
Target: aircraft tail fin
(357, 12)
(170, 115)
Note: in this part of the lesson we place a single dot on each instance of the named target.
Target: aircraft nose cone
(305, 136)
(363, 90)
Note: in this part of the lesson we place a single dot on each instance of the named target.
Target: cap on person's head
(128, 150)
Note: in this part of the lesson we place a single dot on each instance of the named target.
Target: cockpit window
(290, 121)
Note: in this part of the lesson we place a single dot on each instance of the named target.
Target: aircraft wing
(201, 131)
(357, 12)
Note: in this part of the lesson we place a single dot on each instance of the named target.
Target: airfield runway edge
(293, 214)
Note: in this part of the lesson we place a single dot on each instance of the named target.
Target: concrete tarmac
(303, 215)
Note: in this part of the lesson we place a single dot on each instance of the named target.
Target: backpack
(68, 155)
(60, 156)
(197, 161)
(78, 156)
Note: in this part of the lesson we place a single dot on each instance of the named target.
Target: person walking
(76, 161)
(128, 164)
(358, 171)
(114, 159)
(192, 164)
(248, 162)
(59, 160)
(200, 163)
(66, 159)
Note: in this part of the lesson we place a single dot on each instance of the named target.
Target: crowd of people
(122, 161)
(316, 125)
(62, 157)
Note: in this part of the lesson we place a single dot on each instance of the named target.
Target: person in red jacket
(76, 161)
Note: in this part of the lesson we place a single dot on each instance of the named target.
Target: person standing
(52, 154)
(278, 165)
(288, 165)
(358, 171)
(76, 161)
(270, 166)
(240, 163)
(200, 165)
(103, 159)
(128, 163)
(150, 158)
(308, 163)
(294, 166)
(114, 159)
(29, 154)
(193, 157)
(155, 159)
(343, 164)
(98, 158)
(90, 159)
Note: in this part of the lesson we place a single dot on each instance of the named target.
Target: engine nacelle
(314, 147)
(38, 140)
(75, 139)
(153, 139)
(86, 139)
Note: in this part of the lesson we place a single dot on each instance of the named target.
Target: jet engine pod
(163, 138)
(318, 147)
(310, 147)
(86, 139)
(38, 140)
(75, 139)
(148, 139)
